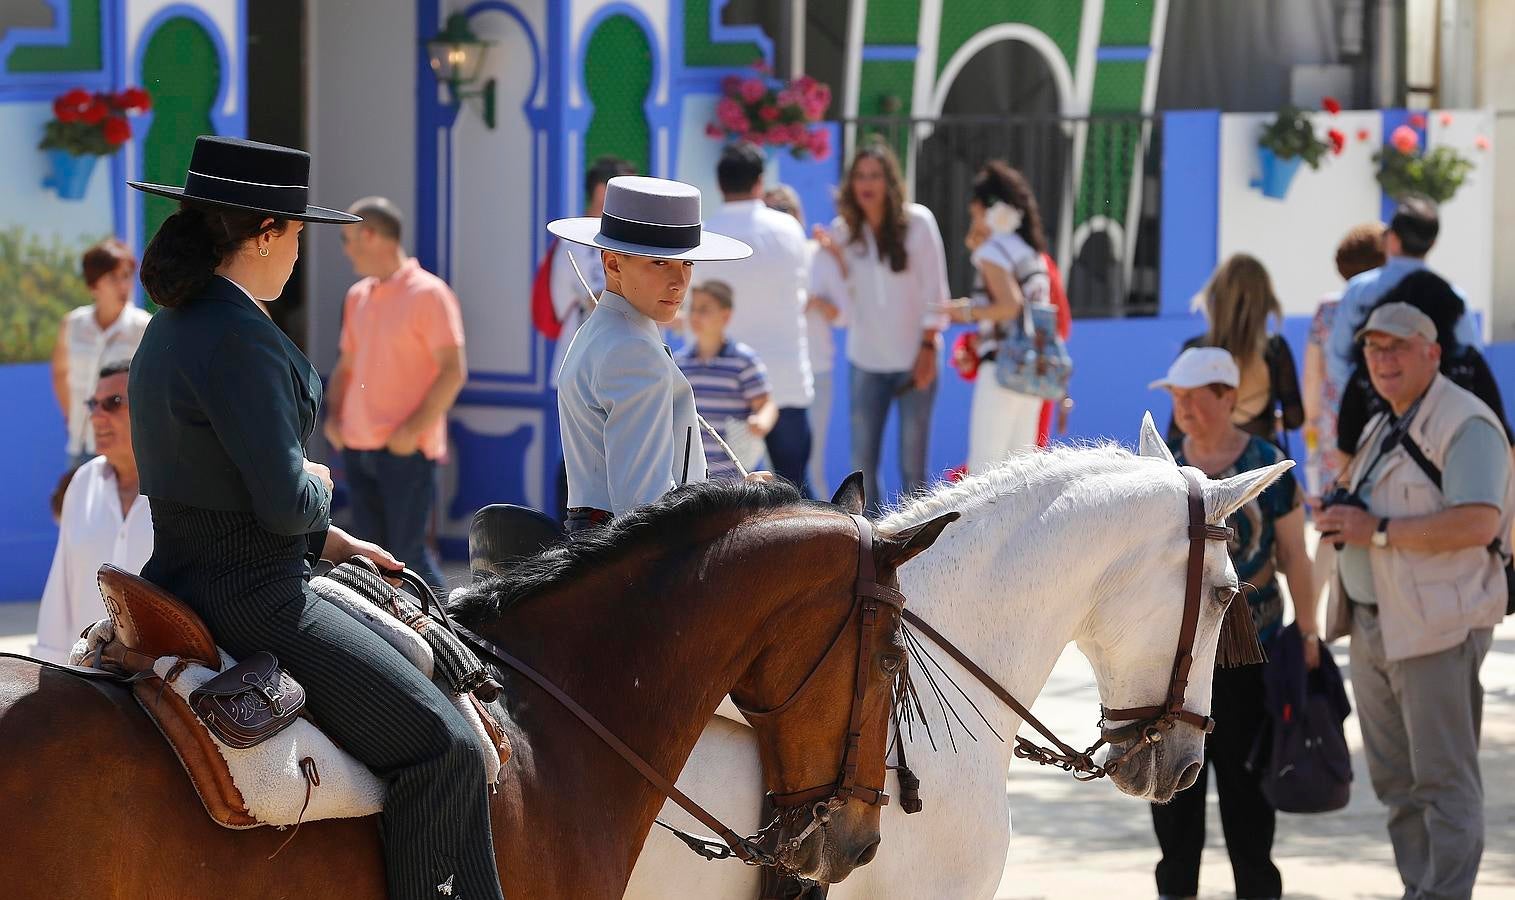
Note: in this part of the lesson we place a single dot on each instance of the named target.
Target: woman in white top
(896, 278)
(824, 280)
(1009, 260)
(91, 337)
(103, 521)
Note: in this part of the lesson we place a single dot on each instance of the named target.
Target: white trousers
(1002, 421)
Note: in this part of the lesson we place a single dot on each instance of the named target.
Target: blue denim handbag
(1031, 357)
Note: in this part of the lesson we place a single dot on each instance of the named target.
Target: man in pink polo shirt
(401, 366)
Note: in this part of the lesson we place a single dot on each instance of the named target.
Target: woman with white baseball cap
(1270, 540)
(626, 412)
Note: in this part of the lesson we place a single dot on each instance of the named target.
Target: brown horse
(648, 623)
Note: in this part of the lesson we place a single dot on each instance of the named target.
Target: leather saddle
(150, 622)
(503, 533)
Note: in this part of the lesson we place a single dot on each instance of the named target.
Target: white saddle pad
(268, 774)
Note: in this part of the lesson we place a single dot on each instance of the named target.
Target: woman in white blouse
(896, 277)
(104, 521)
(1009, 260)
(108, 330)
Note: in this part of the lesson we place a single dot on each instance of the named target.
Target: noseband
(822, 800)
(1146, 724)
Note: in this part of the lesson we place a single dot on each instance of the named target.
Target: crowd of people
(1406, 445)
(1407, 475)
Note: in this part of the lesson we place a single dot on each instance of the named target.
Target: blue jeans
(789, 446)
(872, 395)
(392, 497)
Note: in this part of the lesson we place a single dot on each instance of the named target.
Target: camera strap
(1396, 436)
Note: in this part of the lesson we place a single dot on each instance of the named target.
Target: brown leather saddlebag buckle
(250, 702)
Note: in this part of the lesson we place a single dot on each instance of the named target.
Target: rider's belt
(582, 517)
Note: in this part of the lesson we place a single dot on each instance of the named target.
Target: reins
(820, 801)
(1148, 723)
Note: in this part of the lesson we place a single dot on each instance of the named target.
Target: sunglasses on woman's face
(109, 405)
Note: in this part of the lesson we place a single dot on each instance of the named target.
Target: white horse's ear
(1224, 497)
(1152, 444)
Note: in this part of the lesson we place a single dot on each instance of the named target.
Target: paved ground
(1073, 840)
(1088, 840)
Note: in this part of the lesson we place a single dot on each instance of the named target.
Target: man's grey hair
(381, 215)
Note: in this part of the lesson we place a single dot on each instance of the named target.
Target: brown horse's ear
(903, 546)
(849, 496)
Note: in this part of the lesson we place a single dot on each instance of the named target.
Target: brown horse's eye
(891, 663)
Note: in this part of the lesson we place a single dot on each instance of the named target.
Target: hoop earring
(263, 250)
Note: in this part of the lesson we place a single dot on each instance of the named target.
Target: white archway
(1062, 75)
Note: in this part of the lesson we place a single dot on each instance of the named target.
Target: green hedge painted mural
(80, 54)
(894, 22)
(40, 283)
(618, 78)
(182, 71)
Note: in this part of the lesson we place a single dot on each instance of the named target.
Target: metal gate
(1095, 178)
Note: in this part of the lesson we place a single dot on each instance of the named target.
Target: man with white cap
(1420, 585)
(630, 431)
(1270, 541)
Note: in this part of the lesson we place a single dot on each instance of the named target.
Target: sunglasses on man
(109, 405)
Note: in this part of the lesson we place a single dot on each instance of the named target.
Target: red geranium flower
(95, 113)
(1446, 118)
(117, 131)
(1338, 141)
(63, 112)
(134, 100)
(769, 114)
(731, 84)
(1362, 134)
(753, 90)
(1482, 142)
(1417, 120)
(77, 98)
(713, 130)
(1331, 105)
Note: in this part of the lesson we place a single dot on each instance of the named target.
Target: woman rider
(221, 405)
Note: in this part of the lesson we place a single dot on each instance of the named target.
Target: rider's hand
(341, 546)
(322, 473)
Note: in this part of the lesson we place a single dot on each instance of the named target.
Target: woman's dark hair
(104, 258)
(999, 181)
(891, 231)
(1432, 295)
(190, 244)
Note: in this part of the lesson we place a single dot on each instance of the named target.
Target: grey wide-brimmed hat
(652, 217)
(251, 176)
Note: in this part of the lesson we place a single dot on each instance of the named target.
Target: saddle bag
(249, 702)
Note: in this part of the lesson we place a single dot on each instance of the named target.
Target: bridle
(823, 799)
(869, 596)
(1149, 724)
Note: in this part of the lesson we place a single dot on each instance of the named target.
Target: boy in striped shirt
(730, 383)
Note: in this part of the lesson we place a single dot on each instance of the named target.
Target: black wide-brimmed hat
(265, 178)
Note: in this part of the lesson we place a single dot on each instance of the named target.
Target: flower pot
(1277, 174)
(70, 174)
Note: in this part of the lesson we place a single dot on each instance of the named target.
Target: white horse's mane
(1016, 475)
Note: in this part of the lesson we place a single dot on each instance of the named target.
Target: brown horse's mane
(677, 511)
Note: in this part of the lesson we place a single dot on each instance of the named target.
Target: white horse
(1085, 545)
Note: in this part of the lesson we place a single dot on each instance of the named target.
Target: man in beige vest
(1420, 585)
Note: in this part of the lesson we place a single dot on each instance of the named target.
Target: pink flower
(1482, 142)
(1445, 118)
(1404, 139)
(769, 114)
(760, 66)
(753, 90)
(714, 130)
(820, 143)
(1331, 105)
(1417, 120)
(730, 85)
(804, 83)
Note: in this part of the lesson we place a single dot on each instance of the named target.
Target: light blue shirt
(1361, 293)
(626, 412)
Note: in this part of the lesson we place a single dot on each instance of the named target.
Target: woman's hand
(1312, 650)
(341, 546)
(403, 441)
(333, 431)
(960, 310)
(824, 241)
(322, 473)
(925, 368)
